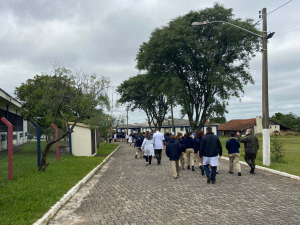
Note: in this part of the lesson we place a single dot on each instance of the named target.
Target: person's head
(178, 136)
(231, 134)
(208, 130)
(130, 134)
(148, 135)
(200, 134)
(248, 131)
(187, 135)
(172, 136)
(167, 134)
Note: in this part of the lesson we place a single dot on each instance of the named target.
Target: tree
(209, 62)
(219, 120)
(142, 92)
(290, 120)
(59, 99)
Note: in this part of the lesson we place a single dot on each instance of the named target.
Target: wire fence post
(9, 147)
(38, 141)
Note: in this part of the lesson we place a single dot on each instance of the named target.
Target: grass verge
(291, 154)
(32, 193)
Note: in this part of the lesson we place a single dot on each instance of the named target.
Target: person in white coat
(130, 139)
(158, 139)
(148, 148)
(126, 137)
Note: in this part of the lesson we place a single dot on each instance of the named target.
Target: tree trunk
(44, 163)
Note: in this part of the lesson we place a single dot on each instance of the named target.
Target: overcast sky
(104, 36)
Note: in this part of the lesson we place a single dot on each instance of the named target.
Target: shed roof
(237, 125)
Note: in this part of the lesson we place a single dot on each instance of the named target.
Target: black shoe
(239, 174)
(252, 171)
(193, 168)
(188, 167)
(217, 172)
(230, 172)
(213, 182)
(202, 170)
(175, 177)
(136, 156)
(208, 179)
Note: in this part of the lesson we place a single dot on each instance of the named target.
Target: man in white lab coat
(158, 139)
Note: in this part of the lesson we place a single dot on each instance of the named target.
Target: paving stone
(125, 191)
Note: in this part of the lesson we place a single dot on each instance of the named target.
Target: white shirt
(130, 139)
(158, 140)
(126, 136)
(115, 136)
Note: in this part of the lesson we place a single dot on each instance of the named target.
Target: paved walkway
(125, 191)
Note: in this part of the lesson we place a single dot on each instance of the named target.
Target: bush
(289, 133)
(277, 149)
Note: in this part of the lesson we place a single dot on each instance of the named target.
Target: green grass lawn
(291, 146)
(32, 193)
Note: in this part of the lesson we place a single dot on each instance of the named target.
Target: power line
(273, 11)
(287, 32)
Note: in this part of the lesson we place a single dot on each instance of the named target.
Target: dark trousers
(213, 172)
(158, 155)
(250, 159)
(148, 159)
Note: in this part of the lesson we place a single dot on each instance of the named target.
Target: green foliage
(31, 194)
(210, 63)
(219, 120)
(290, 120)
(147, 93)
(277, 149)
(62, 97)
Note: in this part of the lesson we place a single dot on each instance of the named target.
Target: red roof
(237, 125)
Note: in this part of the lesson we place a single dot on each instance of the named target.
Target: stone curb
(269, 170)
(54, 209)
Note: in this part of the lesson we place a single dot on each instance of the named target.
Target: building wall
(81, 141)
(19, 137)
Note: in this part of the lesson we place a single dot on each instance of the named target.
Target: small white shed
(83, 140)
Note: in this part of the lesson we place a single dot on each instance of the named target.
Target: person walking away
(197, 142)
(148, 148)
(180, 139)
(130, 139)
(138, 145)
(210, 148)
(189, 145)
(233, 146)
(126, 137)
(167, 138)
(173, 151)
(115, 137)
(158, 139)
(251, 147)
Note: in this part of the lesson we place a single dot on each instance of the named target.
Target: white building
(83, 140)
(10, 109)
(180, 125)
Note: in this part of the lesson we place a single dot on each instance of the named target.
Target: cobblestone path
(125, 191)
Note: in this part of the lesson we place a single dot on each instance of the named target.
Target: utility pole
(173, 127)
(127, 122)
(265, 95)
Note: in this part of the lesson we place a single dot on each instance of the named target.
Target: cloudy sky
(104, 36)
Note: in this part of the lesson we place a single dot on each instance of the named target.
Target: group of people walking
(205, 149)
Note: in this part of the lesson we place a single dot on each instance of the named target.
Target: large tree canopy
(210, 62)
(61, 98)
(148, 94)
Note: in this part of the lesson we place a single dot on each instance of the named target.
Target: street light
(265, 97)
(196, 24)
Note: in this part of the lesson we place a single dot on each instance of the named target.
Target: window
(2, 125)
(181, 128)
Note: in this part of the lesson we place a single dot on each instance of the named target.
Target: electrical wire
(286, 32)
(272, 11)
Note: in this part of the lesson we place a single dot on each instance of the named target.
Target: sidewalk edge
(284, 174)
(54, 209)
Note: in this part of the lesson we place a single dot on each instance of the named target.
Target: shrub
(277, 149)
(290, 133)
